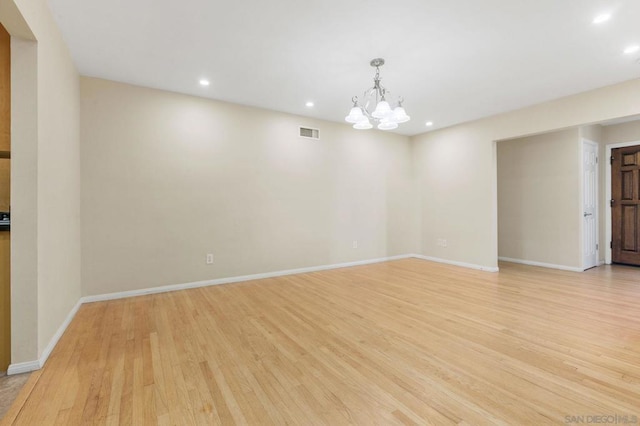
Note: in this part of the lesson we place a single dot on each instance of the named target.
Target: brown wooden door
(625, 211)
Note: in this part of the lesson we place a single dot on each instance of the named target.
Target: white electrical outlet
(355, 244)
(442, 242)
(209, 259)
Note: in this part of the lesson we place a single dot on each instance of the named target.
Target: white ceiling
(453, 61)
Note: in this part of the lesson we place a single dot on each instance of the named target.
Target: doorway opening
(548, 199)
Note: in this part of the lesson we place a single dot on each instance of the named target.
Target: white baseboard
(25, 367)
(230, 280)
(456, 263)
(542, 264)
(63, 327)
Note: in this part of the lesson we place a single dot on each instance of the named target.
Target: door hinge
(610, 244)
(597, 247)
(611, 202)
(611, 160)
(596, 160)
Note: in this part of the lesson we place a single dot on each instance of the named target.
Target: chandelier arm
(387, 94)
(367, 101)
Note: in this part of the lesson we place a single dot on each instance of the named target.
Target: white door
(589, 204)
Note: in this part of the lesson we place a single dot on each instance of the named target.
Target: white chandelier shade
(355, 115)
(383, 110)
(363, 125)
(387, 117)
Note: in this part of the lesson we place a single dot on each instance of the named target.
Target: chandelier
(386, 117)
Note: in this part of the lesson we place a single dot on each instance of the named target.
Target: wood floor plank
(408, 342)
(11, 415)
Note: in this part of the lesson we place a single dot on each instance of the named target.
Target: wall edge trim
(231, 280)
(541, 264)
(23, 367)
(28, 366)
(456, 263)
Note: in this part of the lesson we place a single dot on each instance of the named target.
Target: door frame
(607, 188)
(597, 215)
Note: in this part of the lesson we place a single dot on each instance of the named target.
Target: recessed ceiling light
(631, 49)
(602, 18)
(204, 82)
(309, 104)
(429, 123)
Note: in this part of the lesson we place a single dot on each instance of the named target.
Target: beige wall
(456, 168)
(59, 286)
(621, 133)
(539, 198)
(167, 178)
(24, 201)
(453, 172)
(592, 132)
(45, 179)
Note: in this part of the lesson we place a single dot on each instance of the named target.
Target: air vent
(309, 133)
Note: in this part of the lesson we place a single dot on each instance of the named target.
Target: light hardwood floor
(404, 342)
(9, 388)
